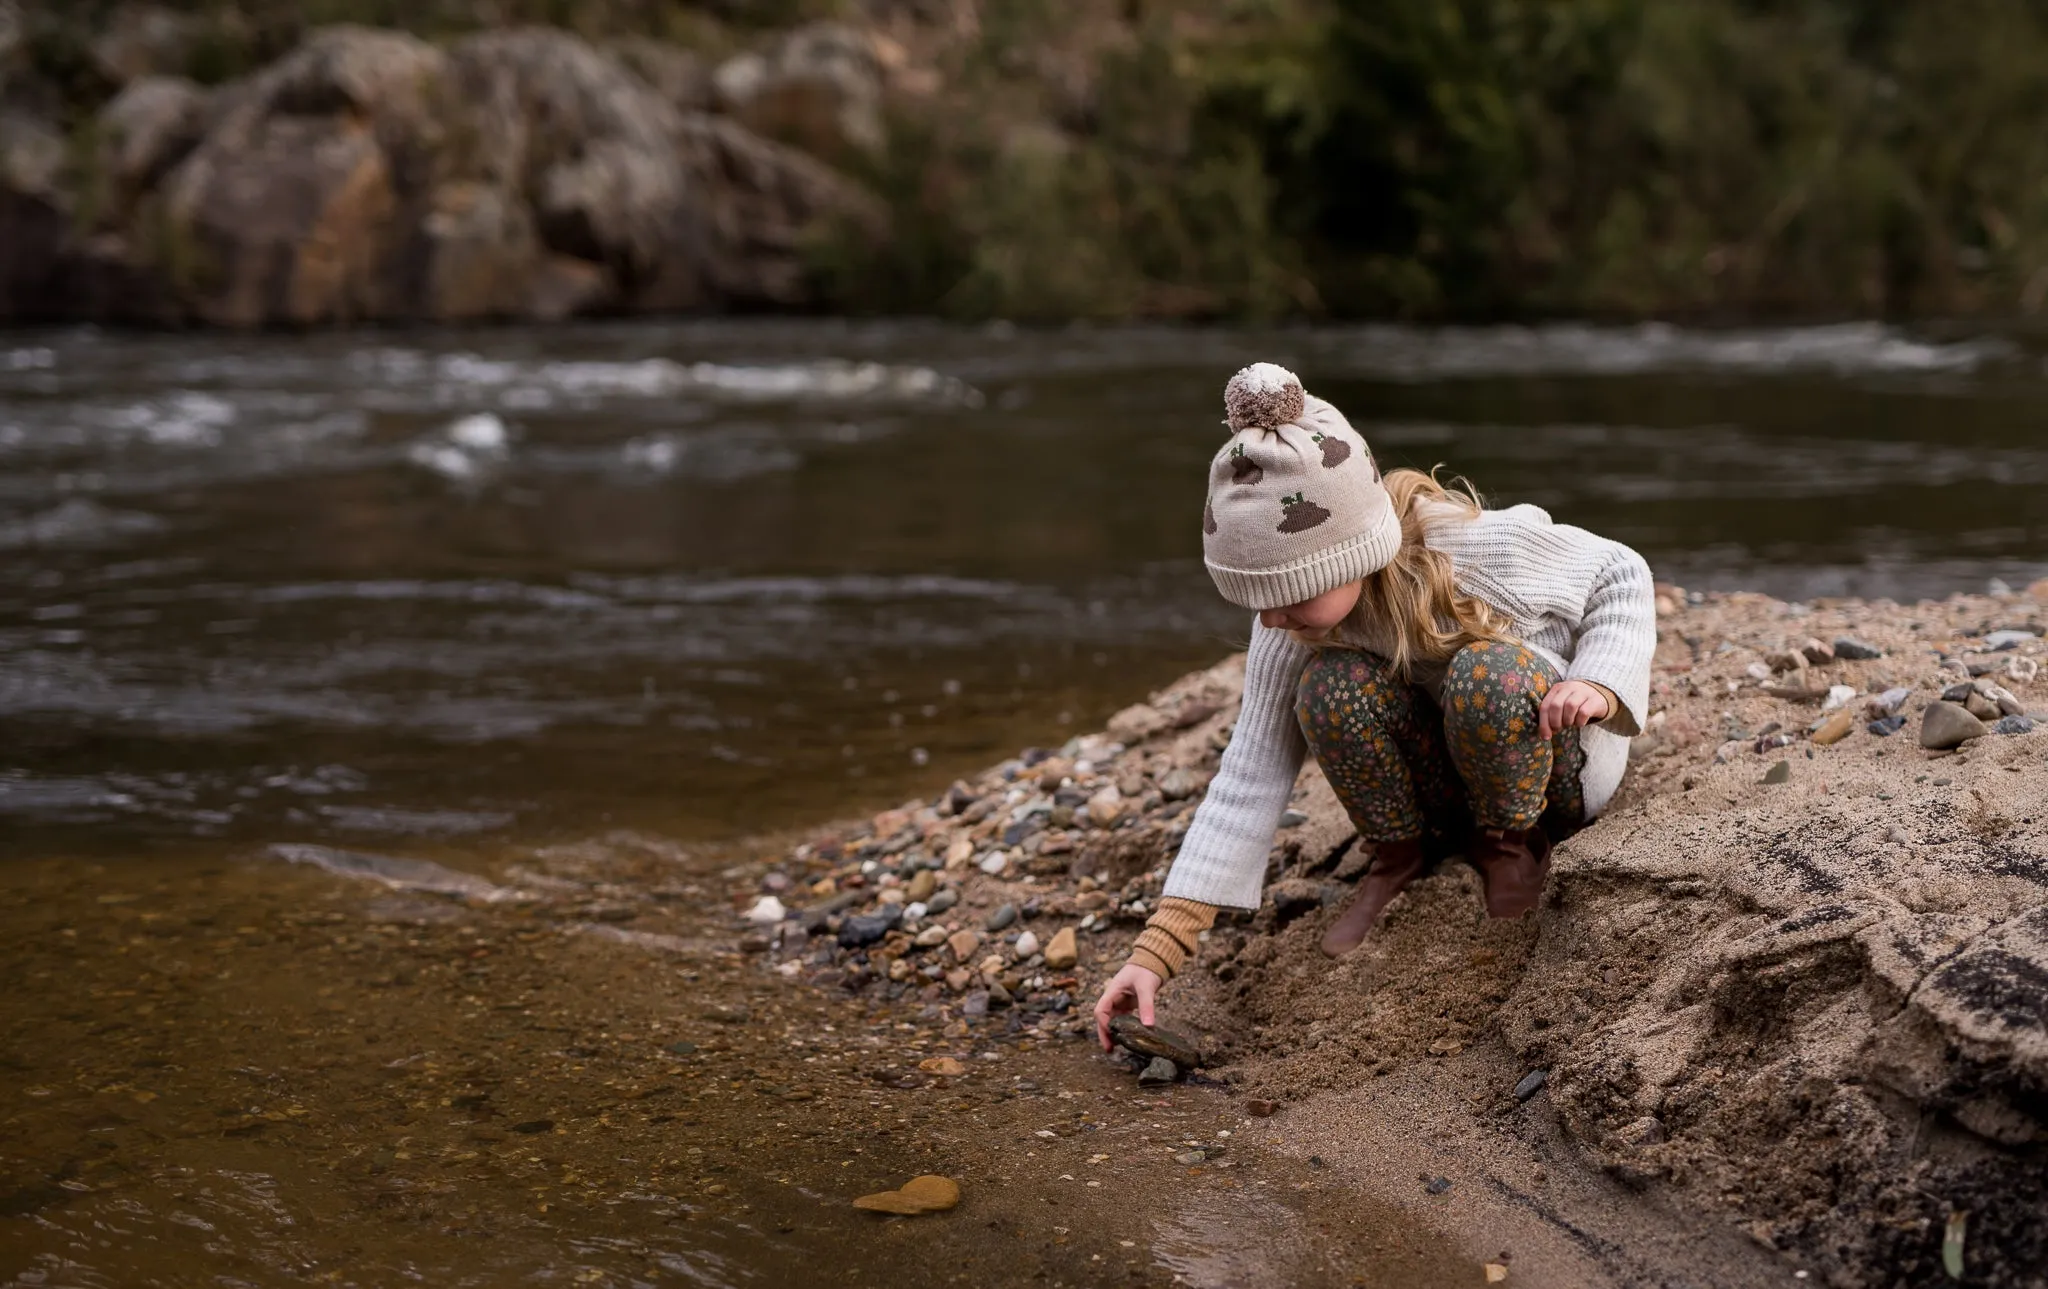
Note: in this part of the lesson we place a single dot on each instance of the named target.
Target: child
(1467, 678)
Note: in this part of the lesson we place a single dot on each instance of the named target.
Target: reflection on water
(710, 577)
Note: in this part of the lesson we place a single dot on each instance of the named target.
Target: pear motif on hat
(1301, 515)
(1335, 450)
(1243, 470)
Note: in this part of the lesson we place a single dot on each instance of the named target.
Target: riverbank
(238, 163)
(1790, 988)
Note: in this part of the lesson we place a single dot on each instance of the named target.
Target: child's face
(1319, 614)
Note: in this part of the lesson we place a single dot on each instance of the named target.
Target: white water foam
(531, 384)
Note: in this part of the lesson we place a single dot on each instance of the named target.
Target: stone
(1260, 1108)
(927, 1194)
(1027, 944)
(1999, 641)
(2013, 725)
(1294, 897)
(942, 901)
(1890, 701)
(2004, 699)
(1849, 648)
(1159, 1071)
(1530, 1084)
(1133, 1035)
(1001, 918)
(922, 886)
(1063, 951)
(1886, 726)
(942, 1065)
(2022, 671)
(975, 1004)
(1945, 726)
(931, 937)
(1786, 660)
(767, 911)
(861, 931)
(1836, 727)
(1138, 722)
(1817, 652)
(1181, 783)
(1838, 696)
(145, 130)
(963, 943)
(1780, 772)
(993, 863)
(1106, 807)
(958, 853)
(819, 88)
(1292, 819)
(1982, 706)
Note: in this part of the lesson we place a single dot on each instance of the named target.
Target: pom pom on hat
(1263, 396)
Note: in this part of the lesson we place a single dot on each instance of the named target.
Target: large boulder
(819, 88)
(35, 219)
(144, 131)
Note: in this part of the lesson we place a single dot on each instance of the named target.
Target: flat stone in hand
(1153, 1041)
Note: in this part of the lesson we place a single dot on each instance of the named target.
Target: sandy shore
(1789, 998)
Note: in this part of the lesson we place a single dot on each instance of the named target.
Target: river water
(580, 610)
(712, 578)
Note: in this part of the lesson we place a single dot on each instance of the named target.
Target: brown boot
(1394, 865)
(1512, 865)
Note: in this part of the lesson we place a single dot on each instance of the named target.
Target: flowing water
(472, 595)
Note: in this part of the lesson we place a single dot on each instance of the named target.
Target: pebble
(2013, 725)
(1946, 725)
(1818, 651)
(2025, 671)
(1436, 1185)
(861, 931)
(1885, 727)
(1063, 952)
(1836, 727)
(1132, 1034)
(767, 911)
(1851, 649)
(963, 943)
(1159, 1071)
(994, 862)
(930, 938)
(1259, 1108)
(975, 1004)
(1531, 1084)
(1293, 819)
(922, 886)
(959, 852)
(1106, 807)
(942, 902)
(1004, 915)
(1890, 701)
(1838, 696)
(1781, 772)
(1999, 641)
(1027, 944)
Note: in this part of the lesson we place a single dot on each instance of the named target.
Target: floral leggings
(1405, 767)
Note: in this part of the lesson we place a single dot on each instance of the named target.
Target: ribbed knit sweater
(1585, 603)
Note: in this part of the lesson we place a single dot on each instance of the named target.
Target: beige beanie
(1296, 506)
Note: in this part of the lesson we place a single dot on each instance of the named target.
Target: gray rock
(1946, 725)
(2013, 725)
(1998, 641)
(1886, 726)
(861, 931)
(942, 902)
(1891, 700)
(1958, 693)
(1182, 783)
(975, 1004)
(1133, 1035)
(1851, 649)
(1159, 1071)
(1001, 918)
(1293, 819)
(1780, 772)
(1533, 1081)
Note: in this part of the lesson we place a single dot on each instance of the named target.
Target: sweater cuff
(1171, 935)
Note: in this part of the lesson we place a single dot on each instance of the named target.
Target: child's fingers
(1147, 996)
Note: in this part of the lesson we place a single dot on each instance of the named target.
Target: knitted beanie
(1296, 506)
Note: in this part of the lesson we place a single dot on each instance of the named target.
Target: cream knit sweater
(1583, 602)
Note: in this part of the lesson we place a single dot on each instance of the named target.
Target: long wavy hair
(1412, 610)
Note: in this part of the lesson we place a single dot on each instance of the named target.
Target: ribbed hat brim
(1305, 579)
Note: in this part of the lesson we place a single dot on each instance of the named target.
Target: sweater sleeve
(1222, 860)
(1617, 636)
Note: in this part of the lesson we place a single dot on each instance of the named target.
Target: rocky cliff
(370, 175)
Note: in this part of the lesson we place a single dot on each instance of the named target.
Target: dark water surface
(712, 578)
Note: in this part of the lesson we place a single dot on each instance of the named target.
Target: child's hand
(1569, 704)
(1134, 986)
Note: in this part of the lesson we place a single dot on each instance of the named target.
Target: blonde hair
(1411, 611)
